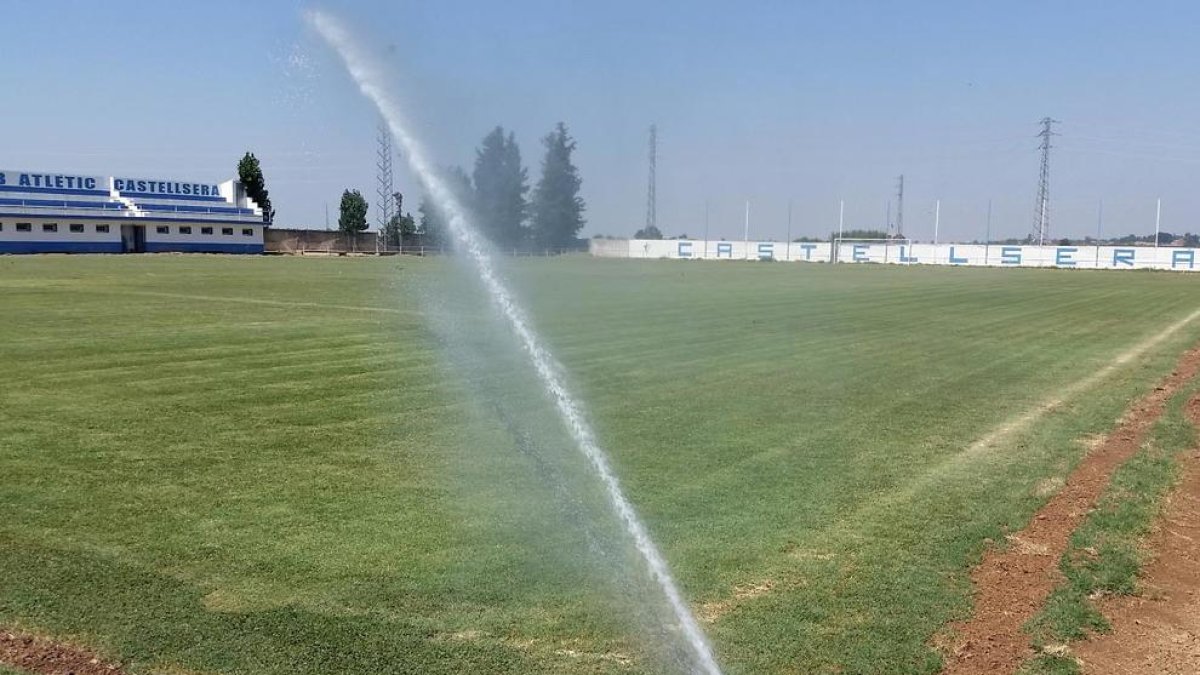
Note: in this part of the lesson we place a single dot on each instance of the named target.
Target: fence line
(903, 252)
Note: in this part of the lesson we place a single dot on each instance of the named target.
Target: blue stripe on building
(55, 203)
(61, 247)
(179, 208)
(155, 195)
(117, 247)
(54, 191)
(148, 221)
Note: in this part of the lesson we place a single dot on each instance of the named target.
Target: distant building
(69, 213)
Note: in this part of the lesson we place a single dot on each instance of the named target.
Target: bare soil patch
(48, 657)
(1013, 584)
(711, 611)
(1158, 631)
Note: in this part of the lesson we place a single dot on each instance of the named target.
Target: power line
(1041, 221)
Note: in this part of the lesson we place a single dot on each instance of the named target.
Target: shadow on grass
(152, 620)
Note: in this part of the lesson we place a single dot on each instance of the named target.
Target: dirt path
(1159, 630)
(1013, 584)
(46, 657)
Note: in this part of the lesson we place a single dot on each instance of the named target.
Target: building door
(133, 238)
(127, 239)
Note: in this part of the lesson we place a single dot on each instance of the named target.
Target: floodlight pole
(1099, 227)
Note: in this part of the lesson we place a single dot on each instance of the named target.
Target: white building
(69, 213)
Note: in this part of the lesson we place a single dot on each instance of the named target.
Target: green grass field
(273, 465)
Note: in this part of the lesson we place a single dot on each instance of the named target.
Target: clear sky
(810, 102)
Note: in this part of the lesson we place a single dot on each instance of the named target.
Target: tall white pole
(937, 220)
(987, 238)
(841, 217)
(746, 232)
(789, 232)
(1157, 220)
(706, 229)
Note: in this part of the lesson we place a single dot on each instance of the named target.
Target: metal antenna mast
(1041, 222)
(651, 197)
(385, 186)
(900, 206)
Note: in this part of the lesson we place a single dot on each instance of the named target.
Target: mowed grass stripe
(265, 487)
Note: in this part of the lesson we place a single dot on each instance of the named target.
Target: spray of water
(369, 79)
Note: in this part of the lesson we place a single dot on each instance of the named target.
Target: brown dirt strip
(1013, 584)
(46, 657)
(1158, 631)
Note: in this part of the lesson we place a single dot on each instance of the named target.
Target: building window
(102, 229)
(206, 230)
(247, 232)
(24, 227)
(185, 229)
(76, 227)
(49, 227)
(227, 230)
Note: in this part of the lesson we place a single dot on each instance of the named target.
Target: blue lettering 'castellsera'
(159, 187)
(1070, 257)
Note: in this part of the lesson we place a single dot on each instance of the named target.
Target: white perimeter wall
(993, 255)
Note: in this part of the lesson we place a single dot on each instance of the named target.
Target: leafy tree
(251, 177)
(353, 218)
(400, 226)
(391, 230)
(557, 208)
(648, 232)
(500, 186)
(433, 222)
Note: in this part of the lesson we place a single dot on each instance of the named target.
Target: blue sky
(771, 102)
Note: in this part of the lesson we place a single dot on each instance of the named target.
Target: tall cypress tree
(433, 221)
(251, 176)
(500, 187)
(557, 207)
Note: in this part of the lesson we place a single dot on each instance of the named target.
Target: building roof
(53, 195)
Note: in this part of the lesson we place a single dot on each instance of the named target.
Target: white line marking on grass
(1015, 425)
(1024, 420)
(1000, 433)
(253, 301)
